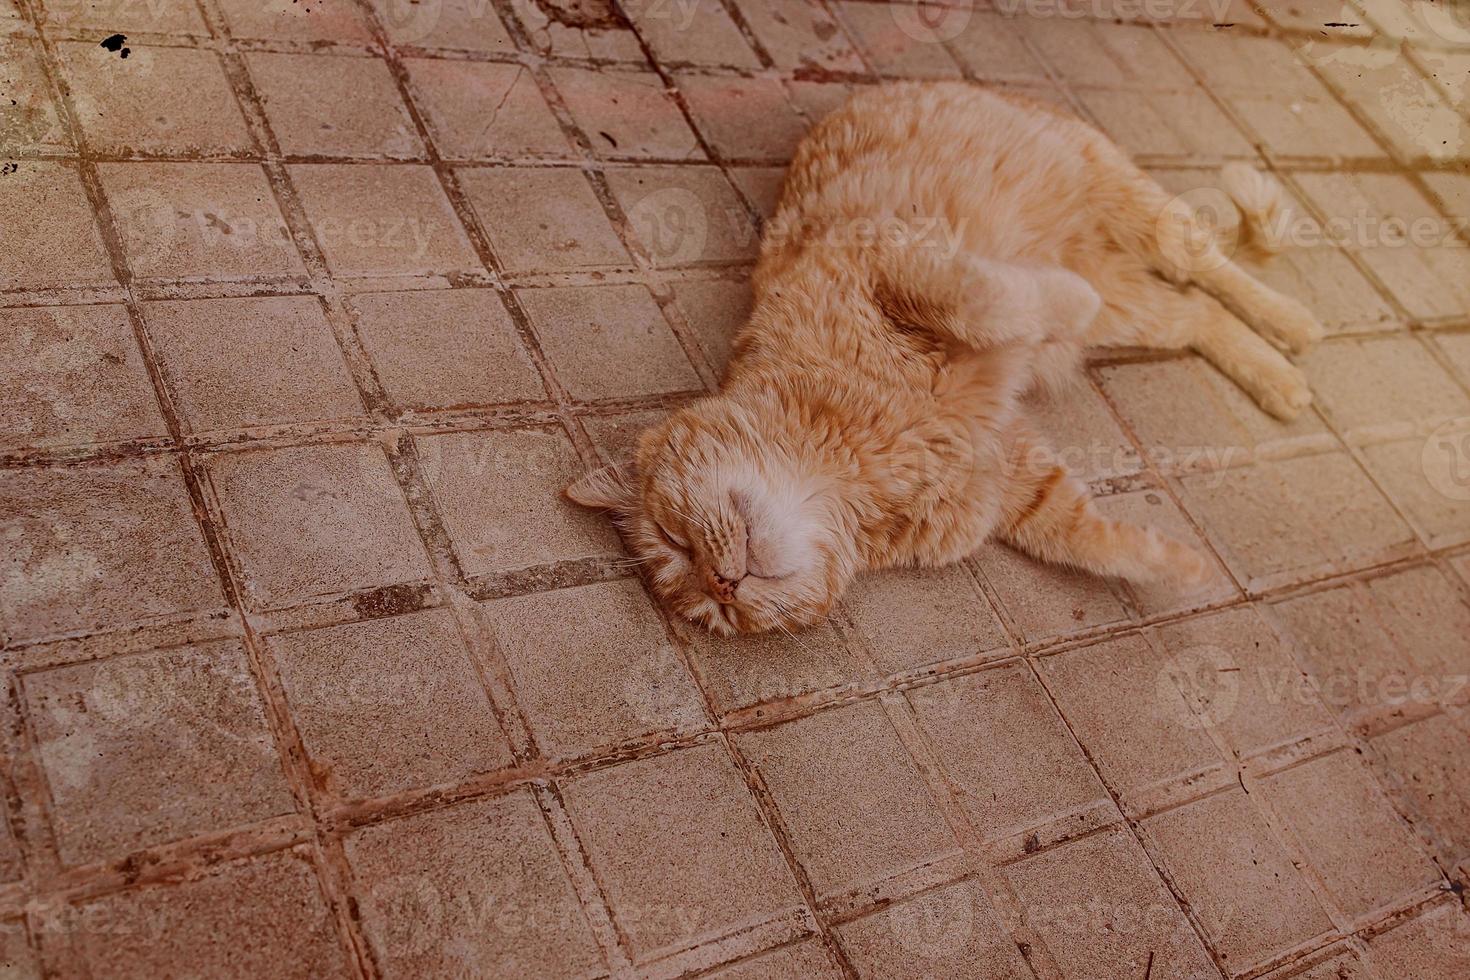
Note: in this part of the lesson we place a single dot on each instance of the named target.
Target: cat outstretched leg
(982, 303)
(1049, 514)
(1154, 313)
(1164, 231)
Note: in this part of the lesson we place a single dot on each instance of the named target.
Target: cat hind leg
(1050, 515)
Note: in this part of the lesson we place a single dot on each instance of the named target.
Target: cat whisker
(691, 519)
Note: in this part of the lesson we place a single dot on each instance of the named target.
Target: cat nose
(722, 588)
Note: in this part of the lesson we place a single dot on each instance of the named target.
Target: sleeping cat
(873, 412)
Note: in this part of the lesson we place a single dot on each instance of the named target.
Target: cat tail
(1261, 201)
(1050, 514)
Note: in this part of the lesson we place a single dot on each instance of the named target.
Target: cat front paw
(1293, 326)
(1286, 395)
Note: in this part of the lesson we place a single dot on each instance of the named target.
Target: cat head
(732, 518)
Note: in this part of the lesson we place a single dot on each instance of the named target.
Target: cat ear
(609, 488)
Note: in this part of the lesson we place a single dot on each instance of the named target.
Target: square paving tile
(98, 546)
(990, 47)
(1453, 189)
(489, 868)
(799, 34)
(1241, 682)
(500, 495)
(1424, 392)
(616, 436)
(316, 520)
(1309, 16)
(1423, 478)
(1082, 433)
(949, 932)
(1101, 909)
(1123, 702)
(1363, 851)
(319, 20)
(626, 114)
(716, 309)
(1405, 107)
(911, 618)
(608, 341)
(29, 119)
(700, 34)
(760, 186)
(1090, 53)
(465, 25)
(1456, 349)
(47, 223)
(743, 672)
(145, 749)
(74, 376)
(1363, 653)
(15, 951)
(1272, 87)
(256, 917)
(1188, 417)
(1415, 20)
(199, 220)
(1336, 963)
(1000, 739)
(408, 228)
(1288, 520)
(1429, 616)
(593, 667)
(286, 367)
(390, 704)
(896, 43)
(1397, 234)
(335, 106)
(1045, 600)
(799, 961)
(856, 810)
(158, 100)
(1430, 945)
(597, 36)
(743, 118)
(1425, 765)
(12, 863)
(162, 17)
(454, 96)
(1223, 858)
(680, 848)
(560, 225)
(446, 348)
(1166, 124)
(685, 215)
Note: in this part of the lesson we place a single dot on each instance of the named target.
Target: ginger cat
(872, 415)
